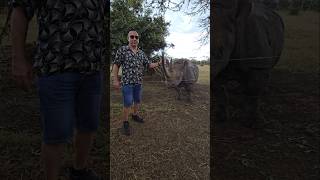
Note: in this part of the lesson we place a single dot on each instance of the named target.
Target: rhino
(181, 75)
(248, 38)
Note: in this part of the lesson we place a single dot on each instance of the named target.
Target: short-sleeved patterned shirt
(71, 34)
(132, 65)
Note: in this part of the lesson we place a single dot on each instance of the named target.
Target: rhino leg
(188, 91)
(221, 100)
(257, 82)
(178, 89)
(251, 111)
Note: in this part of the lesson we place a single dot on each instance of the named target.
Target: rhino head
(181, 71)
(235, 22)
(225, 15)
(174, 72)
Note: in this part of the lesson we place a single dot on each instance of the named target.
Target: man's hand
(156, 64)
(22, 72)
(160, 62)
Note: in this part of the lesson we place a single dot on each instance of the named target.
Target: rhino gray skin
(248, 39)
(182, 74)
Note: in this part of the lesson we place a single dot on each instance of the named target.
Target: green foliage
(199, 9)
(3, 3)
(128, 15)
(202, 62)
(295, 6)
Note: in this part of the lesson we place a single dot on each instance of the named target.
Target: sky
(185, 34)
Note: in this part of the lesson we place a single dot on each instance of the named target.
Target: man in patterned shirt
(133, 61)
(68, 63)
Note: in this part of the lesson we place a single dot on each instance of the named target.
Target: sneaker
(137, 119)
(126, 130)
(83, 174)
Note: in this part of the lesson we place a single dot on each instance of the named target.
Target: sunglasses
(131, 37)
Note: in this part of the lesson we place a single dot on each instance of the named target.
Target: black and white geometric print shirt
(71, 34)
(132, 65)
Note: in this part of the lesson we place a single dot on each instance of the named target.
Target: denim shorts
(69, 101)
(131, 94)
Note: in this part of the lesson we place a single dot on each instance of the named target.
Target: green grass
(301, 48)
(204, 74)
(32, 30)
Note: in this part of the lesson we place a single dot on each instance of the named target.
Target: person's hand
(160, 62)
(22, 72)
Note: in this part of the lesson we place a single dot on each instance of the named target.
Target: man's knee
(137, 91)
(127, 93)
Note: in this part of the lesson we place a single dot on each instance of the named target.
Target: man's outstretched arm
(116, 82)
(21, 68)
(156, 64)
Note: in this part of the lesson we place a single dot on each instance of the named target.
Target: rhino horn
(166, 73)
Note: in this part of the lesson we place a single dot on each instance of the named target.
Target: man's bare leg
(82, 145)
(135, 115)
(126, 111)
(51, 154)
(136, 107)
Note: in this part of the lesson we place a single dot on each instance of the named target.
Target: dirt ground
(174, 141)
(287, 147)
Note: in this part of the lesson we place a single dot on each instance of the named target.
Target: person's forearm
(19, 26)
(153, 65)
(115, 71)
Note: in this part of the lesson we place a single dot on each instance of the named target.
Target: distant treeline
(295, 6)
(299, 4)
(3, 3)
(202, 62)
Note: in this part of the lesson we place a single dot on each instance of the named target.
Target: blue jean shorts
(69, 101)
(131, 94)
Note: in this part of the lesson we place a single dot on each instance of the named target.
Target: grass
(204, 74)
(116, 106)
(32, 30)
(174, 141)
(172, 144)
(301, 48)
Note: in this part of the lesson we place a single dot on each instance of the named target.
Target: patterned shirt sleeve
(29, 6)
(119, 57)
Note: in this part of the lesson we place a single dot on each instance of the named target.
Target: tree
(127, 15)
(199, 8)
(3, 3)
